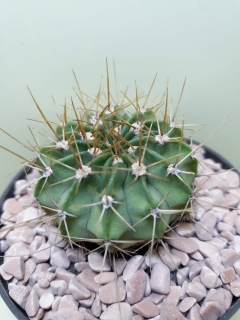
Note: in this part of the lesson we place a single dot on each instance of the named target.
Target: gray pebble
(76, 255)
(96, 307)
(183, 244)
(42, 254)
(232, 178)
(227, 235)
(221, 226)
(146, 308)
(56, 303)
(207, 249)
(96, 262)
(70, 314)
(148, 287)
(230, 218)
(54, 238)
(210, 311)
(6, 276)
(196, 256)
(185, 229)
(40, 291)
(237, 267)
(170, 312)
(20, 295)
(171, 261)
(183, 290)
(60, 259)
(209, 218)
(228, 275)
(217, 195)
(182, 275)
(50, 315)
(29, 268)
(27, 234)
(43, 283)
(89, 301)
(205, 202)
(80, 266)
(59, 287)
(173, 296)
(152, 258)
(37, 242)
(4, 245)
(157, 297)
(78, 290)
(227, 298)
(39, 315)
(237, 224)
(235, 288)
(32, 304)
(120, 264)
(182, 255)
(112, 292)
(208, 277)
(195, 269)
(136, 286)
(87, 279)
(230, 200)
(216, 295)
(117, 311)
(105, 277)
(65, 275)
(186, 304)
(160, 278)
(229, 257)
(218, 242)
(132, 266)
(14, 266)
(213, 265)
(68, 301)
(194, 313)
(204, 231)
(196, 290)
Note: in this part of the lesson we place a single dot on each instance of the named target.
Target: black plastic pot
(20, 314)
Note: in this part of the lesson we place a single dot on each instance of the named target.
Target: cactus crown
(115, 176)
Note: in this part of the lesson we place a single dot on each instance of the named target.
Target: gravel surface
(194, 273)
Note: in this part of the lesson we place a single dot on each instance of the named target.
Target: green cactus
(115, 176)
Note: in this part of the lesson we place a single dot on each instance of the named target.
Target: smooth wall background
(41, 41)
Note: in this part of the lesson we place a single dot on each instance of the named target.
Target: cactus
(115, 176)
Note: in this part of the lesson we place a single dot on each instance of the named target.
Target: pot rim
(20, 314)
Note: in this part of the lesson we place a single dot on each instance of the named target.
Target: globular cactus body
(116, 176)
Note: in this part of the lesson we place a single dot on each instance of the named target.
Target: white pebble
(46, 300)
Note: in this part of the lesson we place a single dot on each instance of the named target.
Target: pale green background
(40, 41)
